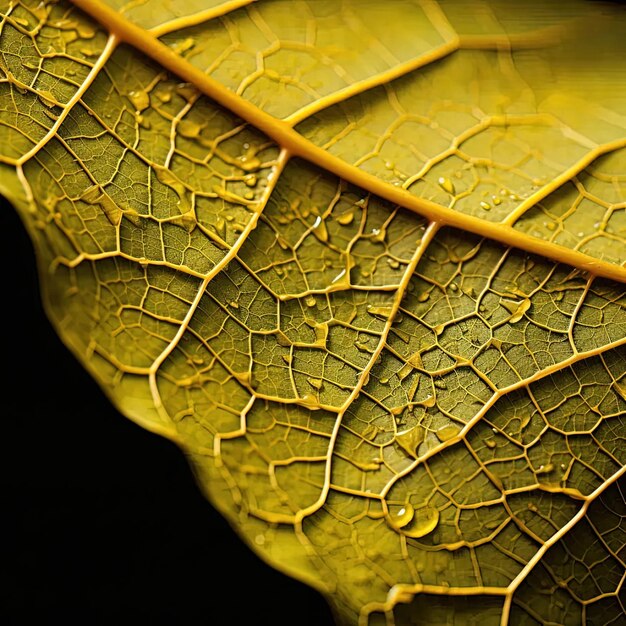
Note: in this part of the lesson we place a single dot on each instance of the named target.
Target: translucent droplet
(139, 99)
(310, 301)
(346, 219)
(411, 439)
(485, 206)
(545, 469)
(400, 515)
(517, 308)
(447, 185)
(189, 129)
(445, 433)
(424, 521)
(490, 443)
(382, 311)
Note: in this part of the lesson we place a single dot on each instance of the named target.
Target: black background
(103, 522)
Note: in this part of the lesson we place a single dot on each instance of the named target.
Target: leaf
(364, 264)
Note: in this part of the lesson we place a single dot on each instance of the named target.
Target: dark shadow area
(103, 523)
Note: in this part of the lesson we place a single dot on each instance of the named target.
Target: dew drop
(411, 439)
(400, 515)
(188, 129)
(447, 185)
(310, 301)
(424, 521)
(139, 99)
(490, 443)
(445, 433)
(485, 206)
(316, 383)
(382, 311)
(345, 219)
(545, 469)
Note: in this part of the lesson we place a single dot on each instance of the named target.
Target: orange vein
(299, 146)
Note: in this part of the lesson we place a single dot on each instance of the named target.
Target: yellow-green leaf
(364, 263)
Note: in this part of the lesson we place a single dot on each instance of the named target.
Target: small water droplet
(400, 515)
(445, 433)
(345, 219)
(316, 383)
(447, 185)
(545, 469)
(139, 99)
(310, 301)
(485, 206)
(424, 521)
(382, 311)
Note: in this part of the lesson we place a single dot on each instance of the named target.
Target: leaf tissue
(364, 262)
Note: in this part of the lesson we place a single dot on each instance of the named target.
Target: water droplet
(445, 433)
(400, 515)
(164, 95)
(320, 230)
(234, 304)
(393, 263)
(411, 439)
(404, 371)
(545, 469)
(424, 521)
(139, 99)
(423, 296)
(250, 180)
(310, 301)
(316, 383)
(188, 129)
(454, 287)
(447, 185)
(490, 443)
(485, 206)
(516, 308)
(345, 219)
(85, 30)
(310, 400)
(382, 311)
(389, 165)
(186, 91)
(496, 200)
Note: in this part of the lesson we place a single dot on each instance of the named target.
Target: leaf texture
(364, 262)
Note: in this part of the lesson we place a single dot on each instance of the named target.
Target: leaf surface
(365, 264)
